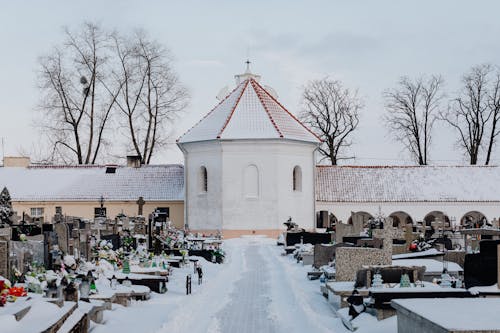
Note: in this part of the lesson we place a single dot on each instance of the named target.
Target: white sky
(366, 44)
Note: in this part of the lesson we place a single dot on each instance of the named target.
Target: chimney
(133, 161)
(111, 168)
(16, 161)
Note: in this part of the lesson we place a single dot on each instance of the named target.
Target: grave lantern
(114, 282)
(85, 289)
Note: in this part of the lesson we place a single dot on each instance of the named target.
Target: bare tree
(332, 112)
(412, 110)
(152, 94)
(494, 105)
(470, 112)
(77, 99)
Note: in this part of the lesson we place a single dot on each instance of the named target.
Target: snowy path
(248, 309)
(256, 290)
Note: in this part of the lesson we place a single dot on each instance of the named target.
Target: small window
(203, 179)
(99, 212)
(36, 212)
(297, 179)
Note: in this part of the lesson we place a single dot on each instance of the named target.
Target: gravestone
(409, 235)
(125, 223)
(344, 230)
(140, 227)
(323, 254)
(4, 256)
(25, 253)
(49, 240)
(62, 231)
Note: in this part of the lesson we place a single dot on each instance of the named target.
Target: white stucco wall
(417, 210)
(276, 200)
(227, 204)
(203, 210)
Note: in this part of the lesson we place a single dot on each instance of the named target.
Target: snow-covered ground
(256, 290)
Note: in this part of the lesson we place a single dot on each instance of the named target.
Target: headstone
(342, 230)
(323, 254)
(4, 257)
(409, 235)
(140, 227)
(49, 240)
(357, 223)
(61, 229)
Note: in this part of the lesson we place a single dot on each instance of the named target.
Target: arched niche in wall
(251, 181)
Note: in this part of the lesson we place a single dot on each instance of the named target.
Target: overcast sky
(366, 44)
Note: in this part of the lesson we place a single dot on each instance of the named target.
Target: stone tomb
(348, 260)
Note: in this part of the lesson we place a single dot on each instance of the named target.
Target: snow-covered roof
(249, 112)
(84, 183)
(408, 183)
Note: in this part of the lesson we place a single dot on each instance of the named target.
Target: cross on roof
(248, 62)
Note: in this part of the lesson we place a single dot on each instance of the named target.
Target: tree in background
(96, 81)
(332, 112)
(6, 210)
(411, 112)
(494, 105)
(151, 95)
(475, 111)
(77, 96)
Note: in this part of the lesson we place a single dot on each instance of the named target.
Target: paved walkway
(247, 310)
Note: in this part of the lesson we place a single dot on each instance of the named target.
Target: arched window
(203, 179)
(297, 178)
(251, 181)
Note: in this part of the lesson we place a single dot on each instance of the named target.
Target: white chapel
(249, 165)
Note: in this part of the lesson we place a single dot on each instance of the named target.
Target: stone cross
(409, 235)
(388, 234)
(141, 203)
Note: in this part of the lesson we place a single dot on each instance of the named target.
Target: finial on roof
(247, 75)
(248, 62)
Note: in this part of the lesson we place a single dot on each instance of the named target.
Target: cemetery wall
(85, 209)
(416, 210)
